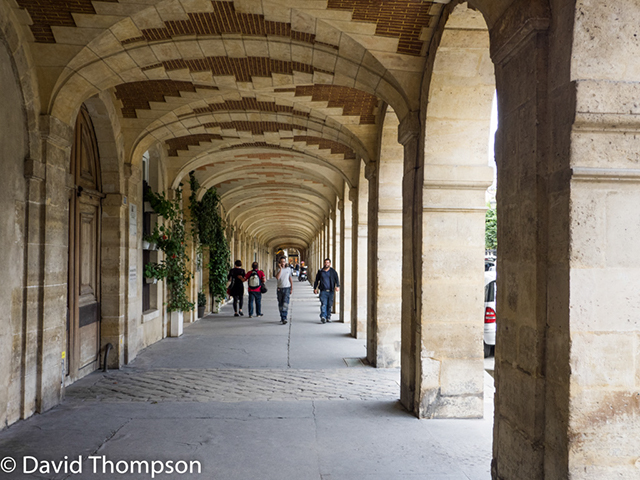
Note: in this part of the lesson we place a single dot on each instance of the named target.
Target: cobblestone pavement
(235, 385)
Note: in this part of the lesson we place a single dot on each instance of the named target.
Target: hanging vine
(170, 237)
(209, 229)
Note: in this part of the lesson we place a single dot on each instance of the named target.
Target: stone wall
(13, 208)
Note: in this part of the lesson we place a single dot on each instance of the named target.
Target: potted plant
(170, 239)
(202, 302)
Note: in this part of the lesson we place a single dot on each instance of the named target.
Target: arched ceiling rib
(272, 102)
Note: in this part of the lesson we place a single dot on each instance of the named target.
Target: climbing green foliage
(170, 238)
(209, 229)
(491, 229)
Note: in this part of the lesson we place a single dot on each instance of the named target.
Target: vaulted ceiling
(273, 102)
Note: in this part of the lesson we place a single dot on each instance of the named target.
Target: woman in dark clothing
(236, 289)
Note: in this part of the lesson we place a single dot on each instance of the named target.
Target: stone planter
(216, 306)
(200, 312)
(150, 280)
(176, 324)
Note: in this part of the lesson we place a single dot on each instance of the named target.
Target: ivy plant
(208, 228)
(170, 237)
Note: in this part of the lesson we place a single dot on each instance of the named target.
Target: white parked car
(489, 312)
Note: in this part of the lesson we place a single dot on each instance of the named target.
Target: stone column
(359, 268)
(245, 251)
(337, 255)
(51, 277)
(190, 247)
(346, 254)
(385, 250)
(232, 243)
(412, 181)
(26, 389)
(129, 271)
(569, 338)
(317, 252)
(330, 235)
(534, 231)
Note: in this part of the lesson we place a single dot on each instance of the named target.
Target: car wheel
(488, 350)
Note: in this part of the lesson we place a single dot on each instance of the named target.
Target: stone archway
(442, 347)
(115, 213)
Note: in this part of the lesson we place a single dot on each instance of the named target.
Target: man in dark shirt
(327, 283)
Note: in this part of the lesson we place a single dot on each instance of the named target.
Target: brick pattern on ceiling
(321, 142)
(351, 100)
(223, 20)
(242, 68)
(257, 128)
(183, 143)
(137, 95)
(324, 144)
(247, 104)
(402, 19)
(267, 156)
(54, 13)
(278, 168)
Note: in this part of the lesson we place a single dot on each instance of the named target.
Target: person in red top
(255, 278)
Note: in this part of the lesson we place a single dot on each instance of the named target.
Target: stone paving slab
(237, 385)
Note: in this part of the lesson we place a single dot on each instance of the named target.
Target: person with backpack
(284, 276)
(327, 282)
(255, 278)
(236, 288)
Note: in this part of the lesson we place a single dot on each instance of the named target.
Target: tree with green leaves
(491, 229)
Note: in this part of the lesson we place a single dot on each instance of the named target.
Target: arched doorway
(83, 312)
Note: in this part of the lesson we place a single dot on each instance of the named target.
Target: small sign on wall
(133, 220)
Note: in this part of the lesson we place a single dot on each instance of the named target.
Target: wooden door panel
(88, 243)
(89, 337)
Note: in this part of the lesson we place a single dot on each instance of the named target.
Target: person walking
(255, 278)
(284, 275)
(327, 282)
(236, 288)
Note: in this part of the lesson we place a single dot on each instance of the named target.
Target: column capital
(34, 169)
(370, 170)
(132, 172)
(516, 25)
(56, 131)
(409, 127)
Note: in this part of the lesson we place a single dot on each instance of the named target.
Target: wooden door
(83, 325)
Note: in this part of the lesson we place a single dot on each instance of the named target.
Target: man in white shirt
(284, 276)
